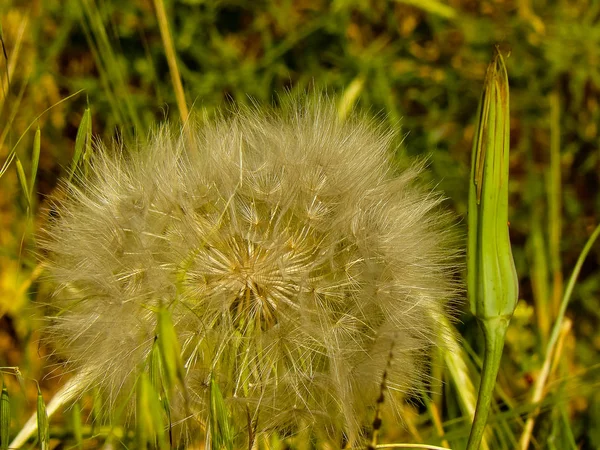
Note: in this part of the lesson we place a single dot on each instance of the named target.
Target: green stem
(494, 331)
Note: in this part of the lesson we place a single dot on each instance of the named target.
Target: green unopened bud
(492, 279)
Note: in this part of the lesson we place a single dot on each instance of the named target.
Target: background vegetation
(420, 64)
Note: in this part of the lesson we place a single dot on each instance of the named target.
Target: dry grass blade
(5, 60)
(11, 66)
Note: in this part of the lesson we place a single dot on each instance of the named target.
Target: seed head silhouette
(290, 250)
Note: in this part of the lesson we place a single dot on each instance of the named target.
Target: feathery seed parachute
(290, 252)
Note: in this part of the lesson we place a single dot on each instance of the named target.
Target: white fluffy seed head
(289, 248)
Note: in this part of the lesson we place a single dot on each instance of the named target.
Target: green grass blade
(108, 64)
(155, 367)
(4, 419)
(7, 162)
(35, 160)
(77, 425)
(42, 422)
(540, 382)
(150, 428)
(350, 96)
(64, 396)
(156, 376)
(170, 350)
(539, 275)
(23, 180)
(433, 7)
(221, 430)
(82, 141)
(554, 188)
(12, 154)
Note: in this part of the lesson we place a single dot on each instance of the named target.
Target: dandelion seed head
(289, 248)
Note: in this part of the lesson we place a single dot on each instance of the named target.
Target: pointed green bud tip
(492, 279)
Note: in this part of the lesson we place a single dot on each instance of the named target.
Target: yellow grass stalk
(163, 24)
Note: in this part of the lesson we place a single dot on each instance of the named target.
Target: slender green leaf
(12, 153)
(35, 159)
(155, 366)
(156, 374)
(221, 430)
(7, 162)
(97, 410)
(555, 194)
(22, 179)
(42, 422)
(150, 427)
(433, 7)
(350, 96)
(540, 382)
(4, 419)
(82, 141)
(170, 351)
(77, 425)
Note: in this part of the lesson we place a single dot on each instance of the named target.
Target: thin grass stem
(540, 383)
(554, 184)
(163, 24)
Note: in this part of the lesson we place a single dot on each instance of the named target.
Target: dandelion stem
(494, 331)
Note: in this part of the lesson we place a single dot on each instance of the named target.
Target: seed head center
(252, 306)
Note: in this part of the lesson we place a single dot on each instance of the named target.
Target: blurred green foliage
(418, 64)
